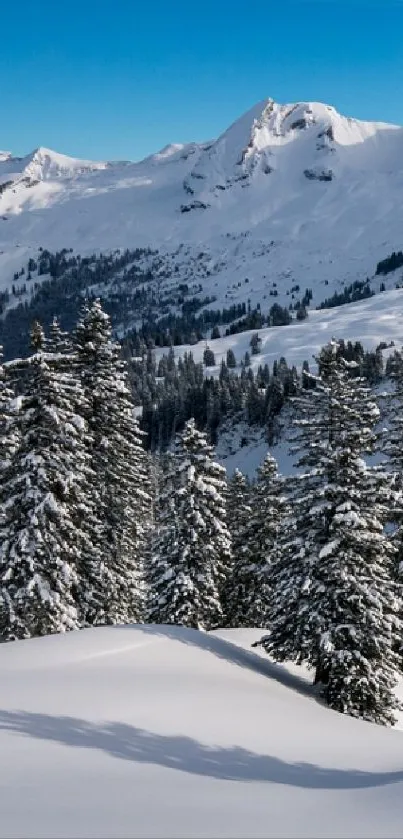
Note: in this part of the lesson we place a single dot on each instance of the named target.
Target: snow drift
(162, 731)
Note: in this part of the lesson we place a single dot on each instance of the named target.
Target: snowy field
(379, 318)
(167, 732)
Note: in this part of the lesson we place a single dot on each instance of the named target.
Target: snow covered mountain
(158, 731)
(288, 194)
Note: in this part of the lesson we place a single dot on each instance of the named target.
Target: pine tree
(7, 432)
(112, 579)
(256, 514)
(163, 588)
(354, 598)
(231, 360)
(192, 551)
(44, 505)
(255, 344)
(236, 589)
(37, 336)
(336, 603)
(59, 341)
(392, 444)
(269, 509)
(208, 357)
(238, 511)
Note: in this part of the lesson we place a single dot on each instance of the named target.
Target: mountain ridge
(252, 116)
(288, 195)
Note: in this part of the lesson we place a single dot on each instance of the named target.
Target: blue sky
(121, 79)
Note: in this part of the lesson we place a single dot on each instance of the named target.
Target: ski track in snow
(120, 650)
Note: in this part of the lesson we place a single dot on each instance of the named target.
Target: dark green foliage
(231, 360)
(255, 344)
(67, 278)
(255, 516)
(302, 313)
(358, 290)
(208, 357)
(391, 263)
(182, 391)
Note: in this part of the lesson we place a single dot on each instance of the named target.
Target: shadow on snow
(231, 653)
(127, 742)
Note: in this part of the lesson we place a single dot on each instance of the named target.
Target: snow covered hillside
(373, 321)
(380, 318)
(164, 731)
(288, 194)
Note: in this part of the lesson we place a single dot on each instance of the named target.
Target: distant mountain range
(289, 195)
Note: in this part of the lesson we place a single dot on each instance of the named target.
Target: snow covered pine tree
(163, 578)
(193, 543)
(269, 508)
(336, 603)
(7, 431)
(235, 599)
(41, 497)
(255, 515)
(392, 445)
(112, 580)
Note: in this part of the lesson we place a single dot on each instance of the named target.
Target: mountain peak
(279, 192)
(44, 163)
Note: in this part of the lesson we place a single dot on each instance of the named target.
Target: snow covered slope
(162, 732)
(289, 193)
(371, 321)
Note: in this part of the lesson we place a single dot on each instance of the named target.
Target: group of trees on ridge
(391, 263)
(174, 388)
(147, 298)
(94, 530)
(144, 296)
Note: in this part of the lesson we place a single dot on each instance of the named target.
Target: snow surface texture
(168, 732)
(288, 194)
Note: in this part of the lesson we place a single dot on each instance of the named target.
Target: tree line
(173, 389)
(313, 559)
(95, 531)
